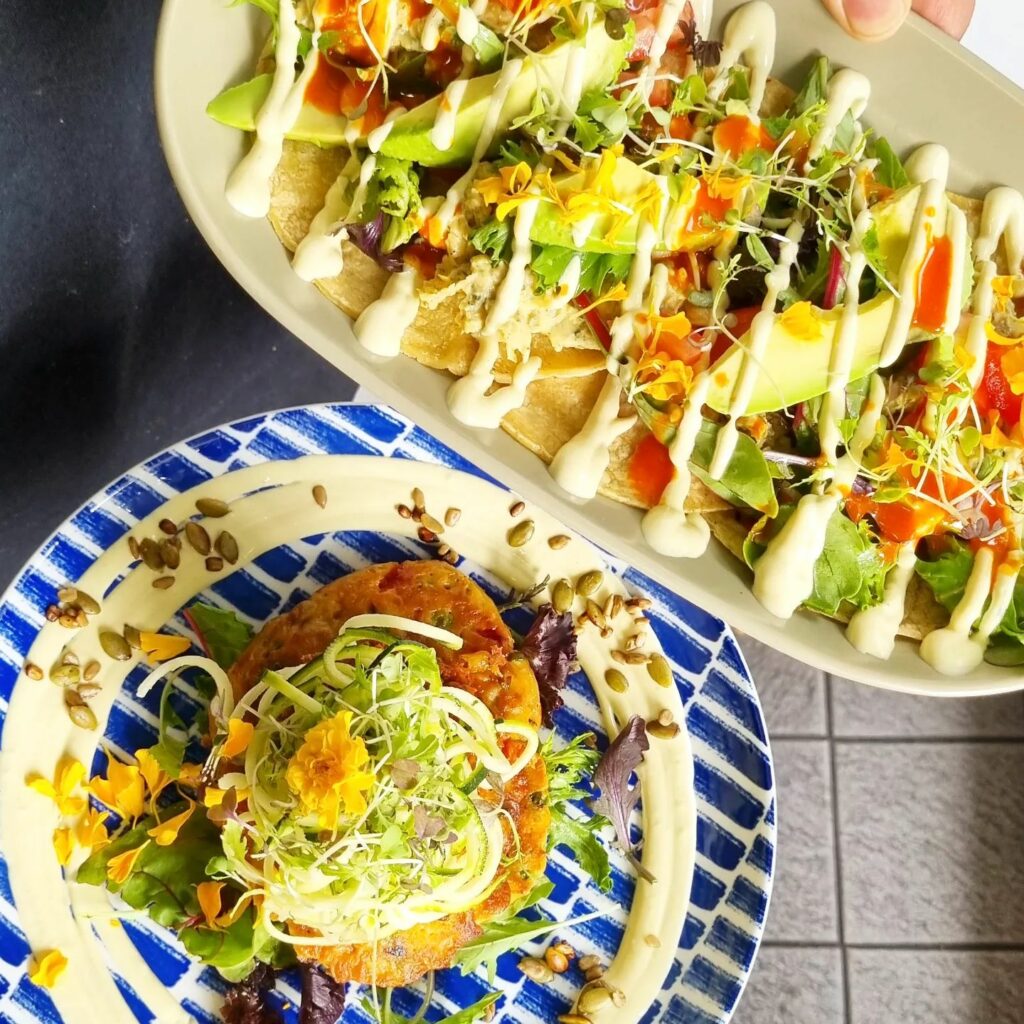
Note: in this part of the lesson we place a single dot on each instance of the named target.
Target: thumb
(869, 19)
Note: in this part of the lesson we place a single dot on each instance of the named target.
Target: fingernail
(875, 19)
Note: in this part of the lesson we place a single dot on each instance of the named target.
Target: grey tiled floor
(899, 897)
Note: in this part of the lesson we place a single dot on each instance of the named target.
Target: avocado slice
(795, 365)
(238, 106)
(409, 138)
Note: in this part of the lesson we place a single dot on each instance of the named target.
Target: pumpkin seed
(521, 533)
(163, 582)
(197, 537)
(114, 645)
(405, 512)
(536, 970)
(556, 960)
(616, 680)
(593, 973)
(214, 564)
(431, 523)
(320, 495)
(588, 961)
(562, 596)
(452, 516)
(227, 547)
(663, 732)
(88, 604)
(595, 614)
(133, 548)
(33, 671)
(80, 713)
(558, 542)
(151, 554)
(565, 948)
(170, 554)
(90, 671)
(595, 996)
(212, 508)
(517, 509)
(67, 595)
(87, 690)
(65, 675)
(660, 671)
(133, 638)
(589, 582)
(168, 527)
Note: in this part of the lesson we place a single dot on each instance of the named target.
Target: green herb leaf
(759, 252)
(223, 634)
(890, 170)
(815, 86)
(169, 751)
(494, 239)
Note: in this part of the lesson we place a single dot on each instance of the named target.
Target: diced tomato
(646, 28)
(363, 28)
(898, 521)
(650, 470)
(994, 394)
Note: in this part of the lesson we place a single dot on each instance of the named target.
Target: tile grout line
(837, 857)
(903, 947)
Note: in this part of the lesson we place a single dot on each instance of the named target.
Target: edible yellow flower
(46, 969)
(190, 774)
(165, 832)
(63, 844)
(61, 790)
(962, 357)
(123, 790)
(507, 189)
(995, 439)
(1012, 365)
(91, 830)
(803, 322)
(214, 797)
(208, 894)
(163, 646)
(239, 737)
(327, 772)
(155, 778)
(663, 377)
(122, 865)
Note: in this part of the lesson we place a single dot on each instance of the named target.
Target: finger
(869, 19)
(952, 16)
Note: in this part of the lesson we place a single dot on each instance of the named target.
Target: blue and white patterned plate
(733, 777)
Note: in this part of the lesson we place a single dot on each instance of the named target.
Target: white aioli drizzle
(270, 505)
(377, 137)
(442, 132)
(468, 399)
(952, 650)
(319, 253)
(467, 25)
(750, 35)
(668, 19)
(430, 34)
(380, 326)
(848, 92)
(248, 188)
(873, 630)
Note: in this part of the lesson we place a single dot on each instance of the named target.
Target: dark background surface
(120, 333)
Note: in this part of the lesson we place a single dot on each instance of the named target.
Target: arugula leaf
(578, 836)
(494, 239)
(221, 632)
(890, 170)
(815, 87)
(228, 949)
(386, 1015)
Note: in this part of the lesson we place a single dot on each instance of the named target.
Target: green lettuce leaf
(598, 270)
(747, 479)
(815, 87)
(494, 239)
(223, 634)
(890, 170)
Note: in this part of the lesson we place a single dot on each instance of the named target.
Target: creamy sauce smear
(271, 505)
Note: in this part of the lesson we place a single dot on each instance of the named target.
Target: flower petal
(240, 735)
(165, 832)
(46, 969)
(120, 867)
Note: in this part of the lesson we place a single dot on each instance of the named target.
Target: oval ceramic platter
(728, 797)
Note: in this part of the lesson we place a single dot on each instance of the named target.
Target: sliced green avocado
(795, 367)
(238, 106)
(409, 139)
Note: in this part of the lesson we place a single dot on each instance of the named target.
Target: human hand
(878, 19)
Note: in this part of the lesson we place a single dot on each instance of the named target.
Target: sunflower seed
(660, 670)
(665, 717)
(619, 656)
(634, 658)
(80, 618)
(163, 582)
(558, 542)
(521, 533)
(405, 512)
(431, 523)
(442, 550)
(517, 509)
(52, 613)
(67, 595)
(589, 582)
(418, 498)
(87, 690)
(596, 615)
(425, 535)
(170, 554)
(88, 604)
(227, 547)
(564, 948)
(490, 1013)
(595, 996)
(638, 604)
(593, 973)
(90, 671)
(68, 619)
(642, 623)
(168, 527)
(133, 548)
(133, 638)
(618, 998)
(33, 671)
(606, 632)
(151, 554)
(452, 558)
(536, 970)
(662, 731)
(79, 712)
(114, 645)
(574, 1018)
(320, 495)
(214, 563)
(69, 658)
(213, 508)
(616, 680)
(556, 960)
(635, 641)
(197, 537)
(65, 675)
(588, 961)
(562, 596)
(616, 606)
(452, 516)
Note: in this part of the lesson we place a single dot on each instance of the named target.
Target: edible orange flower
(61, 790)
(662, 377)
(239, 737)
(163, 646)
(507, 189)
(208, 894)
(120, 867)
(213, 797)
(91, 830)
(123, 790)
(190, 774)
(327, 773)
(46, 969)
(155, 778)
(165, 832)
(1012, 365)
(803, 322)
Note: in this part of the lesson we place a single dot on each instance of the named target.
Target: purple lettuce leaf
(367, 238)
(617, 797)
(247, 1002)
(323, 998)
(550, 648)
